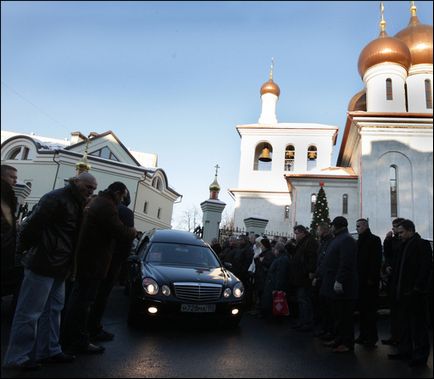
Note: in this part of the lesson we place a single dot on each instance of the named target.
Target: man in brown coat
(101, 227)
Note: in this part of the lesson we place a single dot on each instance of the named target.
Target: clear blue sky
(175, 78)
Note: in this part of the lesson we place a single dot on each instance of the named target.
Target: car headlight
(227, 292)
(238, 290)
(165, 290)
(150, 286)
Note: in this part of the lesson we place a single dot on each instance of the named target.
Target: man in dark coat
(120, 254)
(50, 236)
(277, 278)
(303, 267)
(391, 246)
(369, 254)
(323, 306)
(241, 260)
(413, 278)
(101, 226)
(10, 276)
(262, 265)
(340, 283)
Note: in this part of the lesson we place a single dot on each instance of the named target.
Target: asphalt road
(257, 349)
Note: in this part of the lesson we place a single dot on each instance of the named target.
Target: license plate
(198, 308)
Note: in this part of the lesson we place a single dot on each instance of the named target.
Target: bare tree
(228, 220)
(190, 219)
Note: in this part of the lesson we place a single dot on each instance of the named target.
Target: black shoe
(89, 349)
(327, 337)
(102, 336)
(390, 341)
(28, 365)
(331, 344)
(360, 341)
(398, 356)
(320, 333)
(58, 358)
(417, 363)
(370, 345)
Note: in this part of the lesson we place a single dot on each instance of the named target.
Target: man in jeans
(50, 235)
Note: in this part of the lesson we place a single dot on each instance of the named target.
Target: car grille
(197, 291)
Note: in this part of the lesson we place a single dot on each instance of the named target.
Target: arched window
(428, 94)
(263, 157)
(312, 202)
(19, 153)
(312, 155)
(389, 93)
(156, 183)
(289, 158)
(393, 182)
(345, 204)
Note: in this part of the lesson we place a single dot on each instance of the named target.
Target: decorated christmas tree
(321, 210)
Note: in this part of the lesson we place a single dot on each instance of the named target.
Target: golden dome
(418, 38)
(214, 186)
(270, 87)
(384, 49)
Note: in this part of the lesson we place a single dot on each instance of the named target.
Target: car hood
(171, 274)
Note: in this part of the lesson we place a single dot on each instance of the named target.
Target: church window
(312, 202)
(157, 183)
(145, 207)
(428, 94)
(289, 158)
(393, 182)
(286, 212)
(105, 153)
(19, 153)
(389, 94)
(312, 155)
(263, 157)
(345, 204)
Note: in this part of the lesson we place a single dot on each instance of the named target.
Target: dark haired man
(340, 283)
(368, 266)
(121, 251)
(50, 236)
(391, 246)
(8, 229)
(413, 278)
(100, 228)
(302, 270)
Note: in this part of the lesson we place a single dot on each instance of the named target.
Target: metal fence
(225, 233)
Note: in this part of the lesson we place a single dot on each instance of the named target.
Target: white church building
(45, 163)
(385, 162)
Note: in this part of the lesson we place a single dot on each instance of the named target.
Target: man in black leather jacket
(49, 235)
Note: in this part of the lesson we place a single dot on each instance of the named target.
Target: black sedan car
(174, 274)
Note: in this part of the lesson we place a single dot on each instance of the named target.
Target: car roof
(175, 236)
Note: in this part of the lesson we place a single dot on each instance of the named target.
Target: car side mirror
(227, 265)
(133, 259)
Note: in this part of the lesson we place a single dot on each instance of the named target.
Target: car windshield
(181, 255)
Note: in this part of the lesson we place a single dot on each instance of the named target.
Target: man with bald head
(49, 237)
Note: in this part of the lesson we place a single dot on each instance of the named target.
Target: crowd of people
(329, 276)
(73, 244)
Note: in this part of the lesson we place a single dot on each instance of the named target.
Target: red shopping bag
(280, 304)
